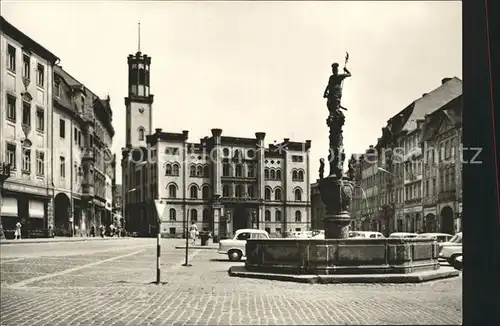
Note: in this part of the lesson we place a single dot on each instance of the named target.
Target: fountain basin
(343, 260)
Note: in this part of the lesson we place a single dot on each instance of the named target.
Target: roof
(250, 230)
(433, 101)
(26, 41)
(452, 110)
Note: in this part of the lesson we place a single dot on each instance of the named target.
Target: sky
(247, 67)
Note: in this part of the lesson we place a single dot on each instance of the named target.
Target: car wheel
(451, 260)
(457, 264)
(234, 255)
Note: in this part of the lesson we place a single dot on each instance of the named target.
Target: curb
(241, 271)
(197, 247)
(8, 242)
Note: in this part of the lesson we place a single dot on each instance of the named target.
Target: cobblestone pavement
(113, 287)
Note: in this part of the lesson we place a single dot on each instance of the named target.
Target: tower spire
(139, 36)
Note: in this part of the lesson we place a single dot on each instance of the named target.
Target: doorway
(241, 218)
(447, 220)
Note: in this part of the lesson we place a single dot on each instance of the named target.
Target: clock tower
(139, 101)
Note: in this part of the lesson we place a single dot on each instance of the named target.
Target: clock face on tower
(141, 109)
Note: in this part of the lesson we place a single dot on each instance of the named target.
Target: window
(267, 216)
(40, 119)
(297, 158)
(57, 90)
(268, 230)
(11, 58)
(250, 171)
(294, 175)
(206, 171)
(26, 113)
(11, 108)
(272, 174)
(225, 191)
(268, 194)
(244, 236)
(27, 160)
(175, 169)
(172, 231)
(62, 166)
(205, 192)
(172, 191)
(277, 194)
(26, 66)
(226, 170)
(40, 163)
(427, 194)
(239, 170)
(266, 174)
(168, 169)
(141, 134)
(194, 192)
(277, 216)
(206, 215)
(452, 177)
(199, 171)
(172, 214)
(192, 171)
(251, 193)
(278, 230)
(40, 75)
(238, 191)
(62, 128)
(194, 215)
(298, 195)
(11, 155)
(298, 216)
(300, 176)
(278, 174)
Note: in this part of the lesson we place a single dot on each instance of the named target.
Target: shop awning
(9, 206)
(37, 209)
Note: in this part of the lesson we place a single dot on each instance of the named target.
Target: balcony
(413, 201)
(449, 195)
(88, 154)
(239, 179)
(240, 200)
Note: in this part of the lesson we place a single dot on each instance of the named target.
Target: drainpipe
(72, 209)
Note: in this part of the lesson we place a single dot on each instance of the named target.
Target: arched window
(238, 191)
(277, 216)
(206, 215)
(175, 169)
(273, 175)
(298, 216)
(300, 176)
(267, 194)
(266, 173)
(250, 171)
(298, 195)
(294, 175)
(172, 191)
(205, 192)
(194, 215)
(172, 214)
(194, 192)
(168, 169)
(236, 154)
(225, 191)
(199, 171)
(192, 171)
(277, 194)
(267, 216)
(206, 171)
(141, 134)
(250, 191)
(225, 152)
(239, 170)
(226, 170)
(278, 174)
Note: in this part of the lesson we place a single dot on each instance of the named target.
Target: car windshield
(456, 238)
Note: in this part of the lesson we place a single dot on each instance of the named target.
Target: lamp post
(4, 175)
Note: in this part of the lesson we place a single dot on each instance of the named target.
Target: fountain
(338, 258)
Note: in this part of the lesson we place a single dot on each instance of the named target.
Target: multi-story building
(52, 129)
(318, 210)
(399, 203)
(224, 183)
(367, 199)
(442, 168)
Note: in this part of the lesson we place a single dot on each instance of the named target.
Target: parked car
(235, 248)
(452, 249)
(439, 237)
(318, 234)
(402, 235)
(365, 235)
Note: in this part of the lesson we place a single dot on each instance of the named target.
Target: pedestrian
(92, 230)
(17, 233)
(193, 232)
(101, 229)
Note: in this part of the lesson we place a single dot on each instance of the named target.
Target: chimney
(286, 140)
(158, 130)
(424, 94)
(185, 133)
(445, 80)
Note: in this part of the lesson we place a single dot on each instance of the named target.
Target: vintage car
(439, 237)
(235, 248)
(450, 250)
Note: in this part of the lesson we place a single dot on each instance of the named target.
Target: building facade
(47, 131)
(223, 183)
(318, 210)
(400, 203)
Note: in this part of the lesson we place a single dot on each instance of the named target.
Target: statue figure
(321, 168)
(333, 91)
(351, 172)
